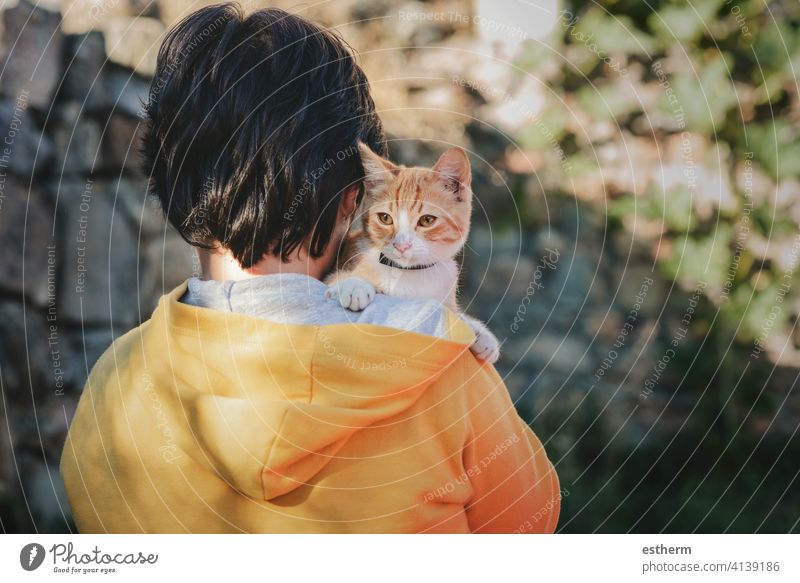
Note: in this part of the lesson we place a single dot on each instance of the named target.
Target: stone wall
(85, 254)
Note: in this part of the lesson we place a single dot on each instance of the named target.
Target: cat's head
(417, 216)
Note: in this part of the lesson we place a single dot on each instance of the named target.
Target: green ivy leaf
(776, 144)
(704, 101)
(686, 22)
(701, 259)
(608, 101)
(615, 33)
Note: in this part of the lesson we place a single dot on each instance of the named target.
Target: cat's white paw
(353, 293)
(486, 346)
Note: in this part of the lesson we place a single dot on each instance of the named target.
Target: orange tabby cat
(415, 221)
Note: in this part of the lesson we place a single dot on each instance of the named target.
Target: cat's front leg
(486, 346)
(353, 293)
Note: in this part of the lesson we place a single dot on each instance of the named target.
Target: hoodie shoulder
(420, 316)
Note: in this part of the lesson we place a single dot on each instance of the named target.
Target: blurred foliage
(681, 122)
(684, 119)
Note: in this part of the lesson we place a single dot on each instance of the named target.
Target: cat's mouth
(402, 258)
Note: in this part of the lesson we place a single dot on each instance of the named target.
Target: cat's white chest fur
(437, 282)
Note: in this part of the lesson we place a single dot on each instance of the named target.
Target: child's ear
(377, 170)
(349, 201)
(453, 170)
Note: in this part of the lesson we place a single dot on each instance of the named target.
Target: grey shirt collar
(291, 298)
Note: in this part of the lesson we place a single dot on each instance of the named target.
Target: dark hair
(252, 131)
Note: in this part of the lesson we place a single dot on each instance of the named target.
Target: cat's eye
(385, 218)
(426, 220)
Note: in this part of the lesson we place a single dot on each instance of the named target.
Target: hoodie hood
(266, 405)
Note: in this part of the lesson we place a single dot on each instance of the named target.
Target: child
(249, 403)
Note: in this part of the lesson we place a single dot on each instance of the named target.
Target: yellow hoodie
(206, 421)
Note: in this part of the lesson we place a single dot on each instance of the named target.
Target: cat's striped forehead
(413, 189)
(407, 191)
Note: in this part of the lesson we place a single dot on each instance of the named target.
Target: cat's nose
(402, 247)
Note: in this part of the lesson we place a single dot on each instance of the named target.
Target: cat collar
(389, 263)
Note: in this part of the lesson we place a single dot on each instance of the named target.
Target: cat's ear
(454, 171)
(377, 170)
